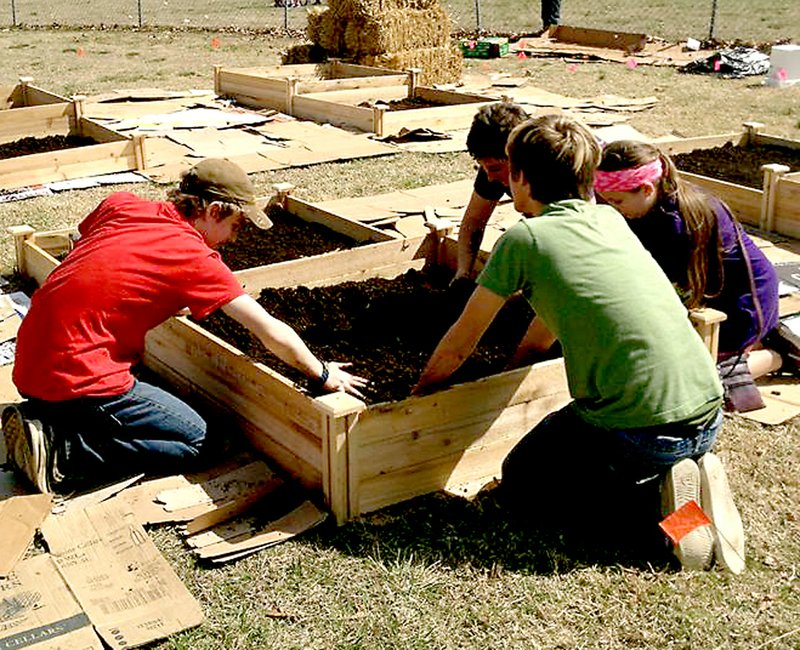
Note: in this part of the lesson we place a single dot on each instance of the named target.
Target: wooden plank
(100, 133)
(471, 450)
(341, 69)
(336, 222)
(278, 419)
(448, 96)
(436, 117)
(628, 42)
(744, 202)
(685, 145)
(787, 207)
(37, 96)
(350, 83)
(67, 164)
(775, 141)
(316, 108)
(252, 90)
(36, 263)
(355, 96)
(34, 121)
(330, 268)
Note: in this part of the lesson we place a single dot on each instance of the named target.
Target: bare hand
(341, 380)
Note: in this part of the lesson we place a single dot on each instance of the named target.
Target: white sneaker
(27, 447)
(681, 485)
(717, 502)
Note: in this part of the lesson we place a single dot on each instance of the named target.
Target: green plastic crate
(485, 48)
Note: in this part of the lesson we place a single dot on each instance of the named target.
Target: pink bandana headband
(626, 180)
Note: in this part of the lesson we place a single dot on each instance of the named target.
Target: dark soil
(289, 238)
(736, 164)
(27, 146)
(386, 328)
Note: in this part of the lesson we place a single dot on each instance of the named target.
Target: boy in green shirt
(647, 398)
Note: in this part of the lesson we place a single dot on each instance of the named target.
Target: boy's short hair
(556, 155)
(491, 127)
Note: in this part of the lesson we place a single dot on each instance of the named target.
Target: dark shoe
(27, 447)
(717, 502)
(695, 550)
(786, 343)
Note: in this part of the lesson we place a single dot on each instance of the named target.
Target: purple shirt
(663, 232)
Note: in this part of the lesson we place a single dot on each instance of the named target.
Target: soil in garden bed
(387, 328)
(737, 164)
(289, 238)
(31, 145)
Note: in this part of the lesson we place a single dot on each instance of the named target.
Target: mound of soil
(289, 238)
(386, 328)
(27, 146)
(737, 164)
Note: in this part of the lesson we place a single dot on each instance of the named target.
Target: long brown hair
(704, 273)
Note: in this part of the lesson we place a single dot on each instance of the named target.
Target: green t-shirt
(631, 355)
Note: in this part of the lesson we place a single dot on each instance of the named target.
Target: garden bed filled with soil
(289, 238)
(737, 164)
(31, 145)
(386, 328)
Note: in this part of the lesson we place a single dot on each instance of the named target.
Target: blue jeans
(565, 465)
(146, 430)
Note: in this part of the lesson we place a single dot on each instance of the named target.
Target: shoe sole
(695, 550)
(717, 502)
(25, 447)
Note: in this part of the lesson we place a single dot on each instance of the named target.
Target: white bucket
(784, 65)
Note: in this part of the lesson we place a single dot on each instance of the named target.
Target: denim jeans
(146, 430)
(565, 465)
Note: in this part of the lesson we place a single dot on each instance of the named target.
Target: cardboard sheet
(20, 517)
(38, 610)
(122, 582)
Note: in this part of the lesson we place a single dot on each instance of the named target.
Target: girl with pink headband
(709, 258)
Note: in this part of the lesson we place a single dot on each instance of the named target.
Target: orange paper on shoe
(683, 521)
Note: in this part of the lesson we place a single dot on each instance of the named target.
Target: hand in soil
(341, 380)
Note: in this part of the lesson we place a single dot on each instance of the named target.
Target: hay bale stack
(438, 64)
(398, 30)
(395, 34)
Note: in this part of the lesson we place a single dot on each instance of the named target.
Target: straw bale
(304, 53)
(439, 64)
(377, 7)
(327, 30)
(395, 30)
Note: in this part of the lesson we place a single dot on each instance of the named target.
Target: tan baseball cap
(223, 180)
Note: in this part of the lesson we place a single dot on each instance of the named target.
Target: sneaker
(27, 447)
(717, 502)
(695, 550)
(786, 343)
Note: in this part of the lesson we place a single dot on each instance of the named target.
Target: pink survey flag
(683, 521)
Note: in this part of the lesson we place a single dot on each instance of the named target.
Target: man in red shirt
(86, 418)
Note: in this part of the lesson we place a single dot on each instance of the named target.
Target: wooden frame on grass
(34, 112)
(296, 90)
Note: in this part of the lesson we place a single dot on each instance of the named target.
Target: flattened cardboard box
(124, 585)
(38, 611)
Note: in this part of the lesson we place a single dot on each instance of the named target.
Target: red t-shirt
(137, 263)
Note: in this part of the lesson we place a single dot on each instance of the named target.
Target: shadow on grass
(479, 533)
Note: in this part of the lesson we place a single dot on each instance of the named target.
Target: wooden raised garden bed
(349, 95)
(771, 204)
(362, 457)
(33, 113)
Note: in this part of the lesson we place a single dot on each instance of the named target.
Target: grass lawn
(439, 572)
